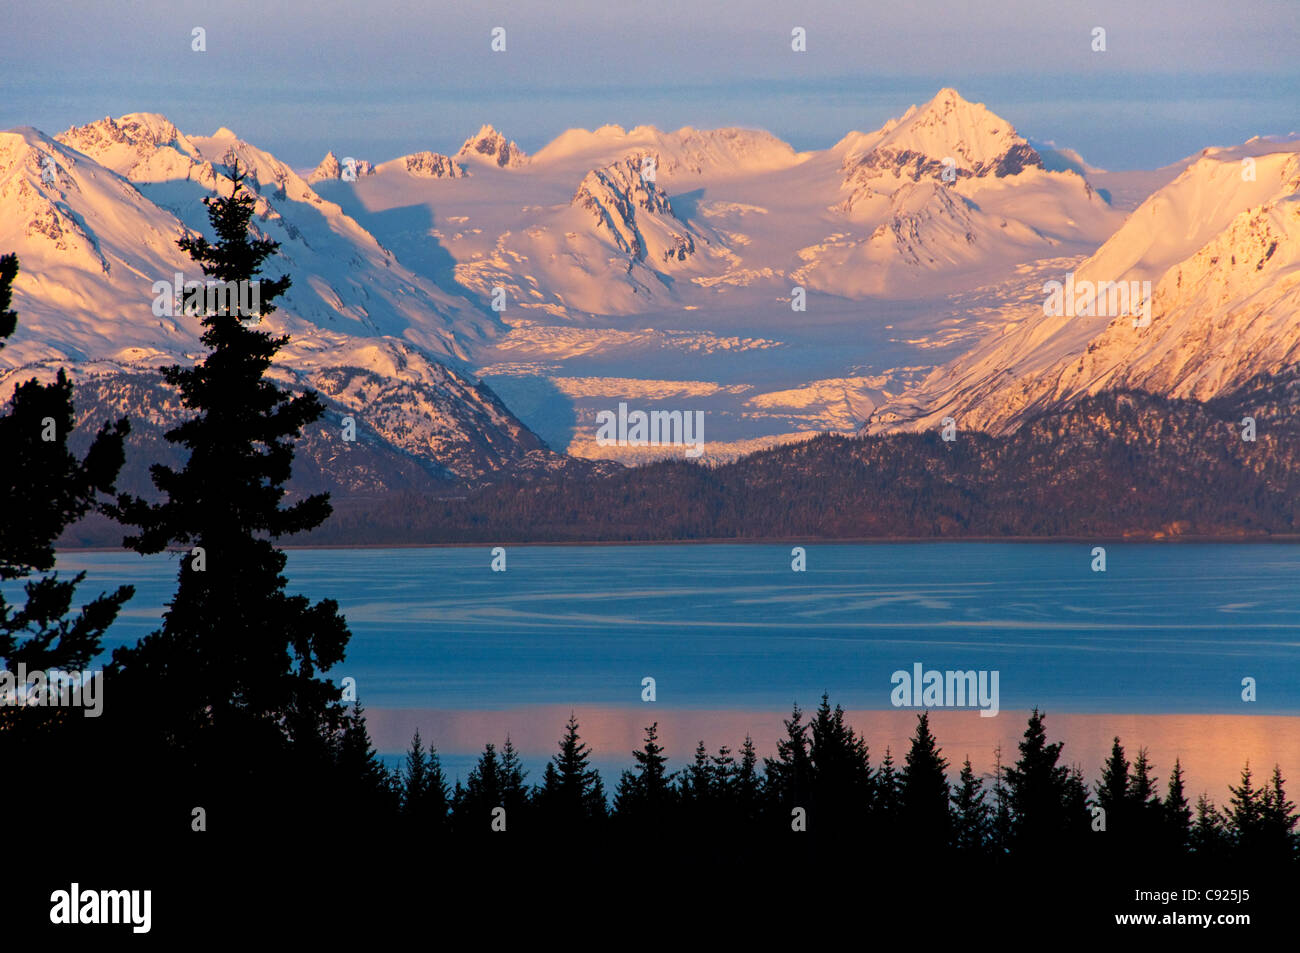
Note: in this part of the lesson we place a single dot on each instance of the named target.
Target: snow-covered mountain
(488, 145)
(93, 237)
(1220, 247)
(897, 275)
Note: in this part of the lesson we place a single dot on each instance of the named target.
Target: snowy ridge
(1223, 254)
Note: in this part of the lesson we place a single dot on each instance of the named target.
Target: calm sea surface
(733, 637)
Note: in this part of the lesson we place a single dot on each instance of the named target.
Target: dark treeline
(1117, 464)
(823, 783)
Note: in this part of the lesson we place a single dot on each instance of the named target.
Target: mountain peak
(489, 145)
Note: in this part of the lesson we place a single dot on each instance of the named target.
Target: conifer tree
(1113, 793)
(572, 794)
(236, 665)
(367, 793)
(841, 771)
(1000, 832)
(481, 795)
(643, 798)
(1209, 835)
(889, 790)
(1277, 820)
(788, 776)
(514, 794)
(722, 786)
(1245, 815)
(424, 790)
(695, 790)
(972, 817)
(748, 785)
(924, 790)
(1037, 792)
(45, 488)
(1176, 812)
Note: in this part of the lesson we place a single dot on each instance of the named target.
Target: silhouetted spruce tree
(888, 802)
(1037, 793)
(572, 795)
(1277, 821)
(841, 772)
(1000, 830)
(514, 793)
(1245, 816)
(722, 786)
(44, 488)
(924, 796)
(1144, 804)
(1113, 796)
(748, 786)
(1176, 813)
(233, 671)
(788, 776)
(695, 791)
(482, 794)
(366, 793)
(1078, 812)
(644, 799)
(1209, 837)
(424, 790)
(971, 816)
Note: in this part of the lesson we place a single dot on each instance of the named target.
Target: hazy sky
(378, 78)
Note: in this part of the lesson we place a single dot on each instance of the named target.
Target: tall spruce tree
(514, 793)
(1113, 794)
(424, 790)
(1245, 816)
(644, 797)
(788, 776)
(1000, 831)
(1209, 838)
(1277, 821)
(234, 670)
(925, 793)
(572, 795)
(1144, 804)
(1037, 792)
(1177, 815)
(748, 785)
(841, 772)
(481, 795)
(971, 816)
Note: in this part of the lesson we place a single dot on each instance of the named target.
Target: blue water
(1166, 629)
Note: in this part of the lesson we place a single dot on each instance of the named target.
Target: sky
(382, 78)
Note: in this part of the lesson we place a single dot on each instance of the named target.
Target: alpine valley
(475, 310)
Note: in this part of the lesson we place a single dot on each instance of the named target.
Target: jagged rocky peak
(149, 130)
(488, 145)
(629, 181)
(331, 168)
(978, 141)
(434, 165)
(616, 193)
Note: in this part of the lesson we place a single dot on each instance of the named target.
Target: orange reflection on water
(1212, 748)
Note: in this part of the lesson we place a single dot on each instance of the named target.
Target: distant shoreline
(774, 540)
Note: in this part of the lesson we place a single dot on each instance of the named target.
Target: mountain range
(474, 310)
